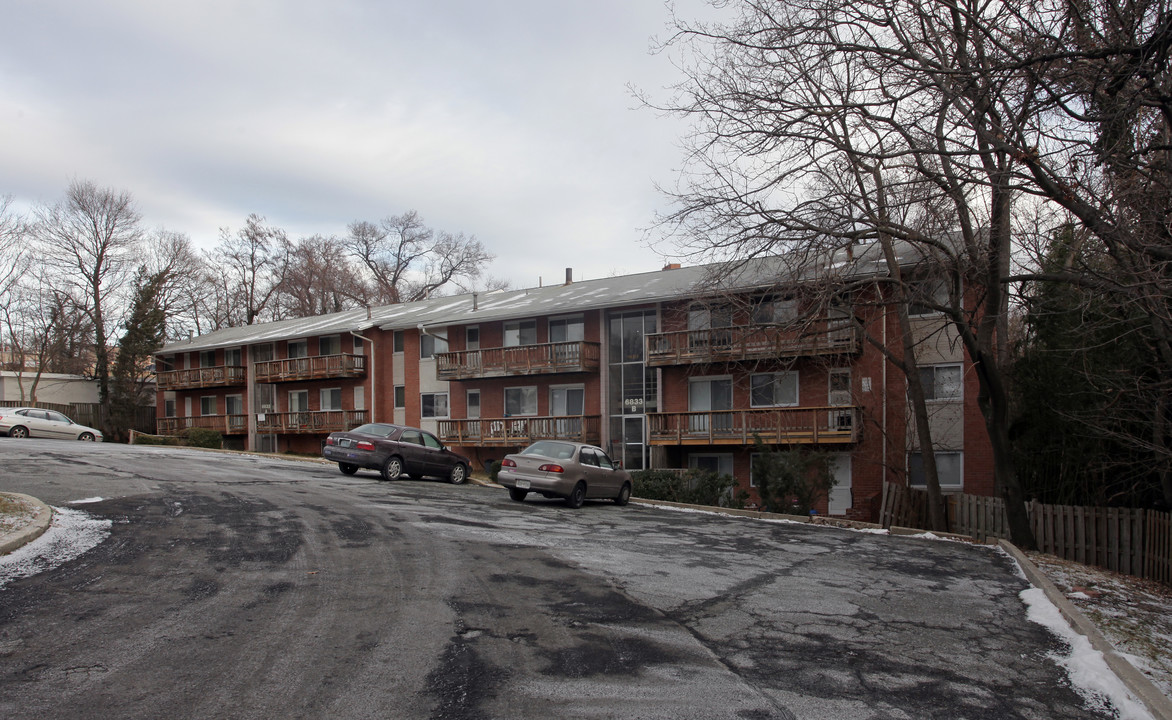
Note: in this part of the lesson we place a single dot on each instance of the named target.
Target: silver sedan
(568, 470)
(41, 423)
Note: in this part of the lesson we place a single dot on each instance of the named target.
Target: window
(400, 396)
(520, 401)
(567, 330)
(298, 400)
(234, 404)
(839, 390)
(926, 295)
(720, 463)
(434, 405)
(429, 345)
(329, 345)
(704, 317)
(773, 389)
(331, 398)
(567, 400)
(709, 394)
(432, 441)
(941, 382)
(207, 405)
(472, 338)
(358, 349)
(298, 348)
(169, 407)
(473, 409)
(520, 332)
(233, 357)
(775, 312)
(948, 470)
(359, 397)
(207, 358)
(398, 340)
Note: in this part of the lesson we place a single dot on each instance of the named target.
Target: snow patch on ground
(84, 501)
(1087, 669)
(72, 533)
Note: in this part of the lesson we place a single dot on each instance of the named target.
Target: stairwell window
(429, 345)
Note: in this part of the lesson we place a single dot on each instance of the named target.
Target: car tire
(392, 468)
(20, 431)
(347, 468)
(518, 494)
(459, 474)
(624, 495)
(86, 437)
(577, 496)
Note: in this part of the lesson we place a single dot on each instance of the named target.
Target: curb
(1157, 703)
(30, 532)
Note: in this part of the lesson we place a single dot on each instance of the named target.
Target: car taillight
(508, 463)
(330, 440)
(550, 467)
(364, 445)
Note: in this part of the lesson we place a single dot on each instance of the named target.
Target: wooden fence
(1130, 541)
(91, 413)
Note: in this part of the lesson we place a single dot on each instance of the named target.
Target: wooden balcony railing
(775, 426)
(318, 367)
(218, 376)
(225, 424)
(310, 421)
(517, 431)
(543, 359)
(752, 342)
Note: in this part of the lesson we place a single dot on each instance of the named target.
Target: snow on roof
(625, 290)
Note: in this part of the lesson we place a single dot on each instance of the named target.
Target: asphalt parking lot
(246, 586)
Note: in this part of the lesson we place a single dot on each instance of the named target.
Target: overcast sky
(509, 120)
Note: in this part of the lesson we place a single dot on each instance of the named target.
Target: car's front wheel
(577, 496)
(624, 495)
(347, 468)
(459, 474)
(86, 437)
(392, 468)
(20, 431)
(518, 494)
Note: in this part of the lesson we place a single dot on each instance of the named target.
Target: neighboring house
(50, 388)
(653, 367)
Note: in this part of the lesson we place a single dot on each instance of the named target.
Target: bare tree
(407, 260)
(246, 269)
(320, 279)
(821, 124)
(185, 289)
(89, 241)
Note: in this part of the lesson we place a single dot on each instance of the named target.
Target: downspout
(373, 376)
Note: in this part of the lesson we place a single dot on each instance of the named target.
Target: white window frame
(202, 399)
(302, 343)
(776, 376)
(944, 484)
(237, 357)
(568, 321)
(336, 340)
(434, 415)
(930, 393)
(398, 342)
(532, 390)
(430, 345)
(298, 392)
(518, 326)
(359, 397)
(322, 396)
(469, 343)
(400, 397)
(577, 386)
(468, 404)
(709, 379)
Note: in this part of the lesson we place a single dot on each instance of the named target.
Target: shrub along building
(661, 369)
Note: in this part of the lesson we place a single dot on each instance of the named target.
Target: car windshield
(550, 449)
(379, 429)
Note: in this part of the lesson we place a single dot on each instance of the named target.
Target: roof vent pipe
(569, 275)
(475, 304)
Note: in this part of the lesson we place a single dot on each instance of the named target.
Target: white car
(40, 423)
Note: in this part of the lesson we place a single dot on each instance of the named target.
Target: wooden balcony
(519, 431)
(775, 426)
(753, 342)
(543, 359)
(310, 422)
(320, 367)
(225, 424)
(205, 377)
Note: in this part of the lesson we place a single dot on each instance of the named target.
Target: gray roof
(620, 291)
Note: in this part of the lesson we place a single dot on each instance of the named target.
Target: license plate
(522, 484)
(345, 442)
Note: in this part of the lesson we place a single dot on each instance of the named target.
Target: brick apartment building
(654, 367)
